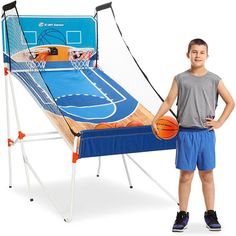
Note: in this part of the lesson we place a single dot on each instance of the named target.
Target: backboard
(62, 34)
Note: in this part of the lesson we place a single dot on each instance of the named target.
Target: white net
(40, 65)
(80, 58)
(37, 58)
(22, 59)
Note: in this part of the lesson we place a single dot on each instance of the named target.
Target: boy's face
(197, 55)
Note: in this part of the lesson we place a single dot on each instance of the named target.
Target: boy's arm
(166, 105)
(229, 101)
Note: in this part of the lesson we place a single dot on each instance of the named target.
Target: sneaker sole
(180, 230)
(213, 229)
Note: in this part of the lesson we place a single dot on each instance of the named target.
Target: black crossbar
(9, 6)
(104, 6)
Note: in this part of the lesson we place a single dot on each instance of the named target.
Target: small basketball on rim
(168, 127)
(103, 125)
(134, 123)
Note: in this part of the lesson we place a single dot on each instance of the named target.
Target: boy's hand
(212, 124)
(155, 129)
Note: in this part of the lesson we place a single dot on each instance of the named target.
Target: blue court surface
(87, 95)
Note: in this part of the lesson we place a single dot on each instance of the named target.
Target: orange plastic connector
(10, 142)
(21, 135)
(5, 71)
(75, 157)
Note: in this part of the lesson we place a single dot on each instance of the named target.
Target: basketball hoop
(41, 60)
(80, 58)
(37, 58)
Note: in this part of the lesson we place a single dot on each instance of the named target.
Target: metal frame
(72, 195)
(24, 156)
(144, 171)
(33, 137)
(21, 137)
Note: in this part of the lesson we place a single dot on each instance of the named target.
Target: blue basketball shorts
(195, 147)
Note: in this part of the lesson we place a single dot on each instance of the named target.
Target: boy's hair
(197, 42)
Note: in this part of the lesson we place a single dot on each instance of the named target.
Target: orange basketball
(134, 123)
(42, 56)
(103, 125)
(168, 127)
(117, 125)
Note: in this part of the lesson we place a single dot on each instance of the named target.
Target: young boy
(197, 91)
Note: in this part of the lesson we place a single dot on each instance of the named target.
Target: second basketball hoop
(80, 58)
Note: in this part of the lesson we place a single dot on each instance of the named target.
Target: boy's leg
(186, 160)
(185, 181)
(208, 188)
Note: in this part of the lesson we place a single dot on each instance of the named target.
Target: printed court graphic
(56, 59)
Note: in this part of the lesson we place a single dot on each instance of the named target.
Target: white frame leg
(127, 171)
(150, 177)
(25, 159)
(44, 189)
(72, 193)
(8, 129)
(99, 166)
(10, 167)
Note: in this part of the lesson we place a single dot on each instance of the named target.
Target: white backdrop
(158, 33)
